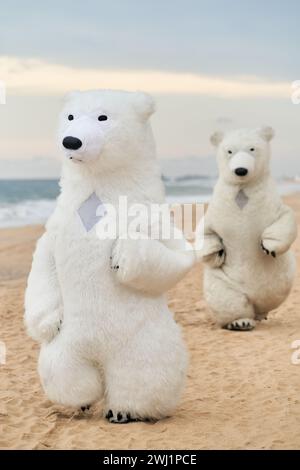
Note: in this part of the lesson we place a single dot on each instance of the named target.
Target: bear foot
(242, 324)
(120, 417)
(85, 408)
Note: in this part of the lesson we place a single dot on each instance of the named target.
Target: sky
(217, 64)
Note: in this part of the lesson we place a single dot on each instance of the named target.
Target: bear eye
(252, 149)
(102, 117)
(229, 151)
(70, 117)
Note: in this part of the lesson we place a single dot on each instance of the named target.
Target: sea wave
(37, 211)
(28, 212)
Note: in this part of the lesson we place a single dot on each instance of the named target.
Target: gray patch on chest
(91, 211)
(241, 199)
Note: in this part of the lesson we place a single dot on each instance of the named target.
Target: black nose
(72, 143)
(241, 171)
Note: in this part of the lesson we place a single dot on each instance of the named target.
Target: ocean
(28, 202)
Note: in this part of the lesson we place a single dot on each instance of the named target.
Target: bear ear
(144, 105)
(216, 138)
(267, 133)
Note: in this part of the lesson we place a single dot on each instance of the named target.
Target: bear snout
(72, 143)
(241, 171)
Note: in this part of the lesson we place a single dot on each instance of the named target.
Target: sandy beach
(242, 392)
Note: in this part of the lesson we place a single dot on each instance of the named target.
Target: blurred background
(210, 65)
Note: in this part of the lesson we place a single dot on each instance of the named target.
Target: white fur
(241, 281)
(242, 160)
(117, 340)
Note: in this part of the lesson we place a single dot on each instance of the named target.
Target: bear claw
(241, 325)
(119, 418)
(85, 408)
(264, 249)
(272, 253)
(114, 267)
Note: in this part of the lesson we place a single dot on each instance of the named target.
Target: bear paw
(85, 408)
(267, 250)
(124, 260)
(220, 257)
(216, 260)
(242, 324)
(47, 328)
(119, 417)
(113, 267)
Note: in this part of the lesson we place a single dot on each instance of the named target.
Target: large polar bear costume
(98, 306)
(248, 233)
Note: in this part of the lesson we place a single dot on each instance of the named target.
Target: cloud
(2, 93)
(37, 77)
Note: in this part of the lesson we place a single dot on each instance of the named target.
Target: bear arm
(151, 266)
(213, 250)
(212, 242)
(280, 235)
(43, 304)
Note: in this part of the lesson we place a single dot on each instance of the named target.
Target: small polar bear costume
(98, 306)
(248, 233)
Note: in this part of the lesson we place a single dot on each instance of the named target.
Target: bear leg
(144, 381)
(66, 377)
(231, 307)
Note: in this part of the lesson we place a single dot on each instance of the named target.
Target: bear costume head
(106, 129)
(243, 154)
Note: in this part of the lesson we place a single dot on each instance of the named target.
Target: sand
(242, 392)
